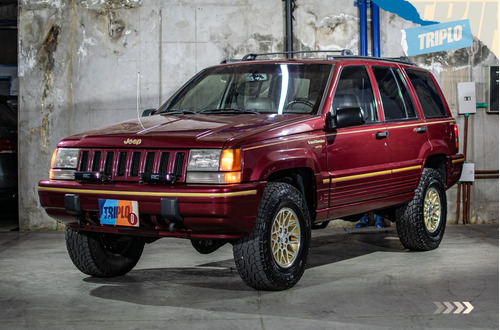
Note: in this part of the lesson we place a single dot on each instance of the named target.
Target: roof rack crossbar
(253, 56)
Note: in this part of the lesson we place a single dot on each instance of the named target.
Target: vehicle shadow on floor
(331, 248)
(214, 284)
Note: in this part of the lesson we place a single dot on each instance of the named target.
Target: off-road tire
(103, 255)
(259, 257)
(422, 222)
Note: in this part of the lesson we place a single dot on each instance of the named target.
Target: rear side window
(427, 93)
(355, 90)
(396, 99)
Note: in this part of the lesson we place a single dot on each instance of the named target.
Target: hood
(194, 131)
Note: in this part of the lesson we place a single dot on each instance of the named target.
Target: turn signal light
(455, 130)
(53, 159)
(230, 160)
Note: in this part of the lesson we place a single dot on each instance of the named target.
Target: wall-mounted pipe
(486, 174)
(289, 27)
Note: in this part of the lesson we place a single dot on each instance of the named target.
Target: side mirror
(350, 116)
(345, 117)
(148, 112)
(330, 122)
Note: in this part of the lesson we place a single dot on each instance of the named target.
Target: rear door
(408, 134)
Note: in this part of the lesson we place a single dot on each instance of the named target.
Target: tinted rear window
(396, 100)
(427, 93)
(8, 115)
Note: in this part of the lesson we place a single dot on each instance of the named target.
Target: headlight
(64, 163)
(204, 160)
(214, 166)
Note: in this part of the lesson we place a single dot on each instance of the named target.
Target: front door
(358, 157)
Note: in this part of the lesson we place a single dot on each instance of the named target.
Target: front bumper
(215, 212)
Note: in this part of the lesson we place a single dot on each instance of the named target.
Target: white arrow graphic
(449, 309)
(460, 307)
(439, 306)
(469, 307)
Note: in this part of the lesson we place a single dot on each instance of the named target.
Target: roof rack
(230, 60)
(403, 59)
(253, 56)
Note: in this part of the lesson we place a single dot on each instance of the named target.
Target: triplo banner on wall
(446, 24)
(437, 37)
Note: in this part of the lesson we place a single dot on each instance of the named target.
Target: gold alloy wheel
(432, 210)
(285, 237)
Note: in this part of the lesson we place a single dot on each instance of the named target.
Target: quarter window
(427, 93)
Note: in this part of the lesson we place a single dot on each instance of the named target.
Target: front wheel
(103, 255)
(274, 255)
(421, 223)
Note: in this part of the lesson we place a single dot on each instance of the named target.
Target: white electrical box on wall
(466, 93)
(467, 173)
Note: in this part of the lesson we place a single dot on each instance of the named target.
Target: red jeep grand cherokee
(256, 153)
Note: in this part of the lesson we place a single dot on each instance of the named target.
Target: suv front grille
(131, 165)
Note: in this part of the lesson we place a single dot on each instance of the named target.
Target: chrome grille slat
(96, 161)
(136, 160)
(163, 167)
(84, 160)
(150, 160)
(128, 165)
(122, 160)
(179, 164)
(108, 164)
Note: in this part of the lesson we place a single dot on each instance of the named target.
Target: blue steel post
(375, 30)
(363, 46)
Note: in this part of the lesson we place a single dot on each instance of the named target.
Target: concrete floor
(359, 280)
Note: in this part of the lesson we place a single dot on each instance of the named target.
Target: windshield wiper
(230, 110)
(178, 112)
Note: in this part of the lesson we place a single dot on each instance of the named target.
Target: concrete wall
(84, 64)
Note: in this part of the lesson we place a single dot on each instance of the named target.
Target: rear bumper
(217, 212)
(454, 169)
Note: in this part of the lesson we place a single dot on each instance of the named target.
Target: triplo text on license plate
(119, 212)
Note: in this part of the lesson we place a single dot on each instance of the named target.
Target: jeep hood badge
(133, 141)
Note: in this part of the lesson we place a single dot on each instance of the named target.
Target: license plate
(119, 213)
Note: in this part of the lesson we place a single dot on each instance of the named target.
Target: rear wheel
(103, 255)
(422, 222)
(274, 255)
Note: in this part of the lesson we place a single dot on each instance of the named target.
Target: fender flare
(275, 161)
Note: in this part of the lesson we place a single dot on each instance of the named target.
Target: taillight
(455, 131)
(7, 145)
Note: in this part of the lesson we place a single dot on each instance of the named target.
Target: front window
(355, 90)
(261, 88)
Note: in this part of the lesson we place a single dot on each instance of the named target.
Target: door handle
(382, 135)
(421, 129)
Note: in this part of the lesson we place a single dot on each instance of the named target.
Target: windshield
(257, 88)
